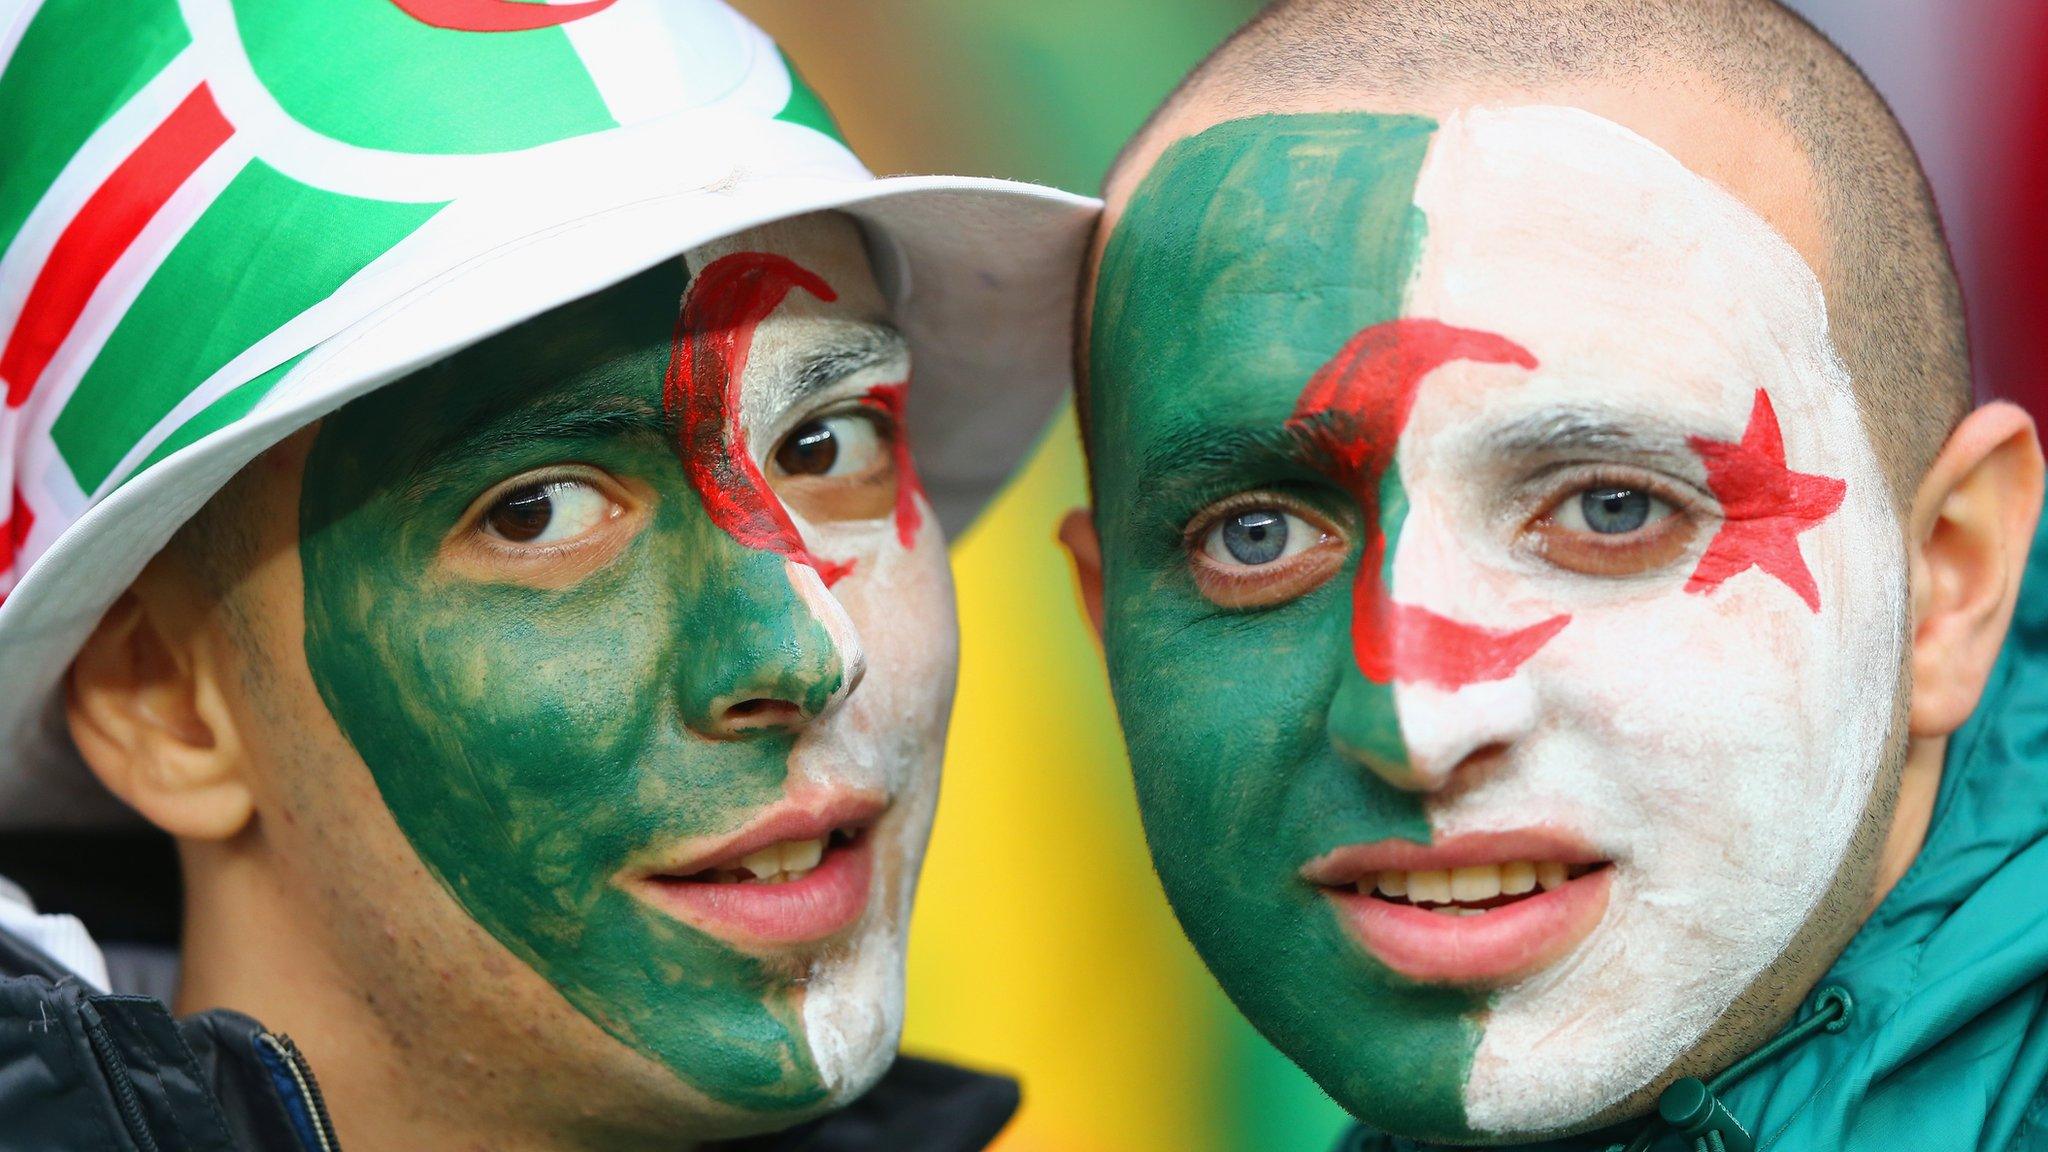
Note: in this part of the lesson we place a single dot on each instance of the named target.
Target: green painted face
(545, 720)
(1249, 257)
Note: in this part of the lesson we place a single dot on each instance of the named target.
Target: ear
(145, 707)
(1077, 532)
(1971, 527)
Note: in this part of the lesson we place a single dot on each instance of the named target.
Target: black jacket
(84, 1070)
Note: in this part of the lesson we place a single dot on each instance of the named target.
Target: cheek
(1735, 732)
(904, 609)
(1701, 715)
(900, 603)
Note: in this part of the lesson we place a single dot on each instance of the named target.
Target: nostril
(760, 712)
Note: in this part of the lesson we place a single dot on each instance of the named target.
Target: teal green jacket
(1945, 1046)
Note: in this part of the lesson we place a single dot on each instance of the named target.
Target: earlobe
(1077, 533)
(1971, 527)
(145, 709)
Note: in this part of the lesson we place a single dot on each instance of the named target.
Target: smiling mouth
(1474, 890)
(1483, 909)
(799, 873)
(783, 862)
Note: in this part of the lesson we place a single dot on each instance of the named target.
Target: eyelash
(858, 404)
(1192, 535)
(1573, 479)
(471, 526)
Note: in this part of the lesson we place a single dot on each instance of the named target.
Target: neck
(1919, 783)
(251, 947)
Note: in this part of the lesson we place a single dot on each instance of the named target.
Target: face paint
(1764, 505)
(1353, 412)
(1426, 315)
(545, 743)
(1203, 341)
(726, 302)
(889, 399)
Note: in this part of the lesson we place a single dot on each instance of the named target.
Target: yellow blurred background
(1042, 945)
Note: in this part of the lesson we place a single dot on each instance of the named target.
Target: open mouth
(797, 874)
(1474, 890)
(782, 862)
(1485, 909)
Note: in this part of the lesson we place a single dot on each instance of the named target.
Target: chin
(853, 1010)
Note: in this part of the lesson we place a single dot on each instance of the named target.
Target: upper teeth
(779, 862)
(1466, 885)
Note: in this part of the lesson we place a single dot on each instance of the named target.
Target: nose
(772, 656)
(1416, 736)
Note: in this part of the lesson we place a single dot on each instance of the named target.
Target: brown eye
(840, 467)
(811, 450)
(546, 512)
(1613, 529)
(849, 445)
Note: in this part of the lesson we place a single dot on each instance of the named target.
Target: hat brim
(984, 292)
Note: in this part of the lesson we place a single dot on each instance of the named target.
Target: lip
(1507, 943)
(828, 900)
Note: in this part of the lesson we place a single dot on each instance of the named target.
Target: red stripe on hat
(12, 533)
(497, 15)
(104, 228)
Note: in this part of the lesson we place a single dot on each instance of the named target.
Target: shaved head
(1743, 91)
(1510, 422)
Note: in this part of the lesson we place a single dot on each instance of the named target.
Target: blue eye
(1613, 511)
(1257, 537)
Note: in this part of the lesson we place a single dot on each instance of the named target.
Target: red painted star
(1766, 506)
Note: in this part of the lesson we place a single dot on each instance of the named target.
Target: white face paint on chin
(891, 616)
(1718, 745)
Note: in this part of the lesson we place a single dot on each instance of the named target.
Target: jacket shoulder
(80, 1069)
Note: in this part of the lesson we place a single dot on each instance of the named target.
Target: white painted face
(1714, 726)
(889, 608)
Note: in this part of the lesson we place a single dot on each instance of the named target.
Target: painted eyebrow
(1561, 432)
(854, 349)
(1195, 458)
(1203, 448)
(550, 421)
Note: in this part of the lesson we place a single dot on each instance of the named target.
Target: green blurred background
(1042, 945)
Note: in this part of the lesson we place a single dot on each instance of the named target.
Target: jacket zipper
(309, 1088)
(125, 1100)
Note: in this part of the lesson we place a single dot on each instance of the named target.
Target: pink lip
(828, 900)
(1505, 944)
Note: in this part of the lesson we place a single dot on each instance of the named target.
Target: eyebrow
(1188, 460)
(1566, 431)
(548, 421)
(853, 349)
(1198, 448)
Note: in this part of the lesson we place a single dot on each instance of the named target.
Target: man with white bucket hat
(460, 494)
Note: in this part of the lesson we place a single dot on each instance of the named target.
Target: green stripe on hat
(265, 251)
(218, 415)
(804, 106)
(364, 73)
(72, 69)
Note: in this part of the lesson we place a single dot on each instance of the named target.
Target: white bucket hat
(222, 219)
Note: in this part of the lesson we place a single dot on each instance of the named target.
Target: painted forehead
(595, 369)
(1276, 238)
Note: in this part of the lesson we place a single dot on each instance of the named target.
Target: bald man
(1556, 586)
